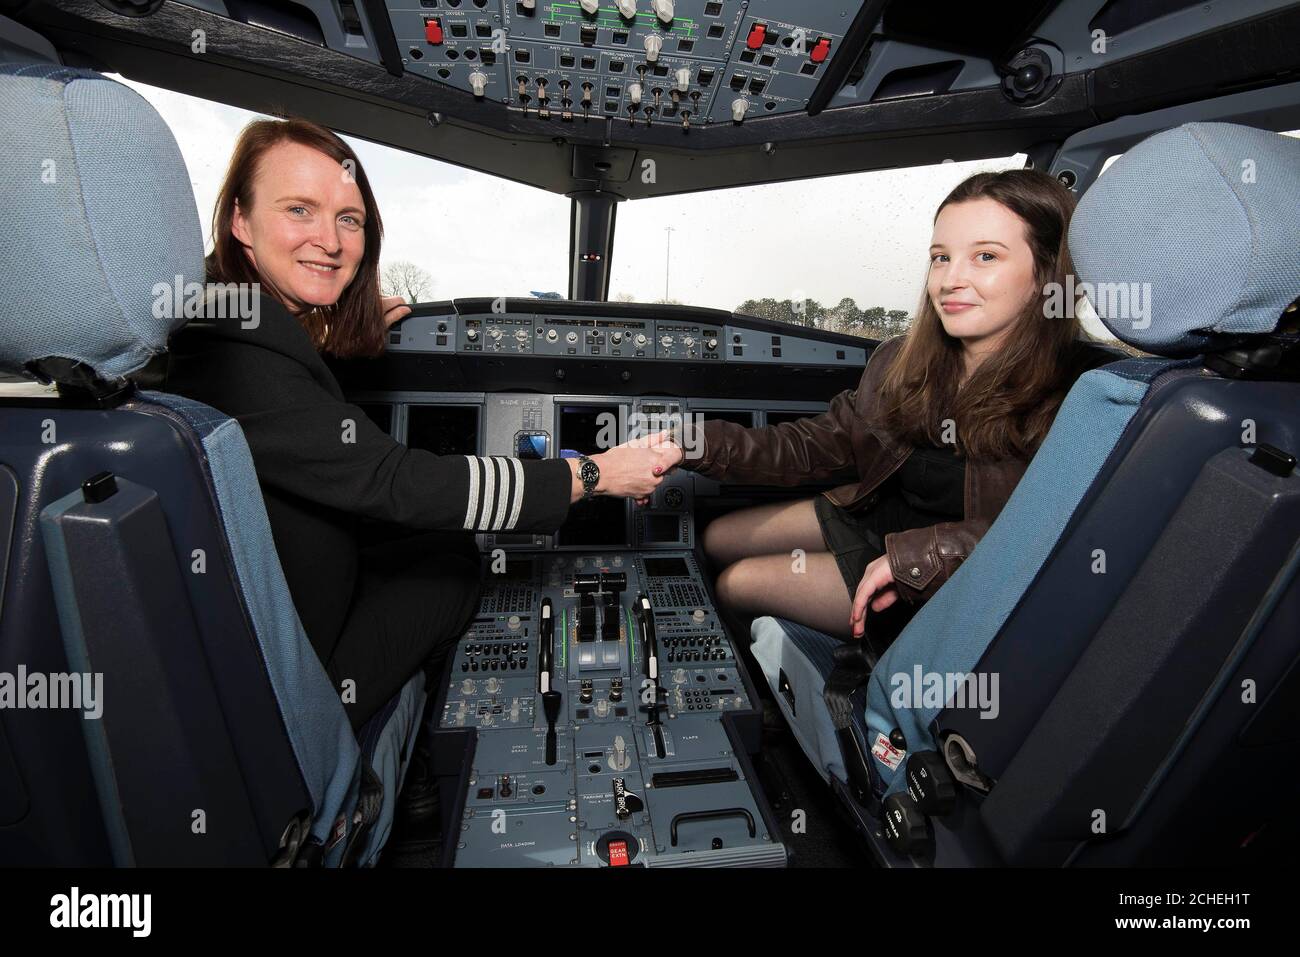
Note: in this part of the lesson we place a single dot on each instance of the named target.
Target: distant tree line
(875, 322)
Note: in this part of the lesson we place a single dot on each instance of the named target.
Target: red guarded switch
(433, 31)
(757, 34)
(618, 854)
(821, 50)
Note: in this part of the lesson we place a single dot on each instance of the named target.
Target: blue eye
(352, 220)
(294, 209)
(991, 256)
(938, 256)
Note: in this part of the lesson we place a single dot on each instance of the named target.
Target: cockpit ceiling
(577, 94)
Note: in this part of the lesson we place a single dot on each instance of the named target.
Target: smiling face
(305, 232)
(981, 272)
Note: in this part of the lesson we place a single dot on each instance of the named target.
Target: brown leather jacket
(844, 443)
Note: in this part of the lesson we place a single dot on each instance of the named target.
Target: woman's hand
(663, 441)
(395, 308)
(876, 578)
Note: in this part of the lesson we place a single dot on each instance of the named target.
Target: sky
(478, 235)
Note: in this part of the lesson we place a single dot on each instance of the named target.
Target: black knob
(1028, 77)
(897, 740)
(99, 487)
(906, 827)
(930, 783)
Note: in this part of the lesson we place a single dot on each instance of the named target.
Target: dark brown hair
(1007, 406)
(353, 326)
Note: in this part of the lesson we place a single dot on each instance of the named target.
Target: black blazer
(323, 464)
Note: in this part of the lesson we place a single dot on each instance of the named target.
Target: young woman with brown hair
(934, 439)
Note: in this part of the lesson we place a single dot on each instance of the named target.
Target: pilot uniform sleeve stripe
(502, 504)
(496, 493)
(489, 492)
(517, 493)
(471, 508)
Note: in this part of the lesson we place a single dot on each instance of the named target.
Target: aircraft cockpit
(653, 274)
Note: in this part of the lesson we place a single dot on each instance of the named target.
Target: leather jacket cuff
(914, 563)
(922, 559)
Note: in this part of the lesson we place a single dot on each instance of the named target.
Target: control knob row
(663, 9)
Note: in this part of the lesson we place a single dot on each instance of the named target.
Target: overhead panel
(638, 62)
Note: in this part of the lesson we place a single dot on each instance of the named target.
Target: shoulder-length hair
(1007, 406)
(353, 326)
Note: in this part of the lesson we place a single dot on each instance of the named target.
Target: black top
(933, 481)
(324, 465)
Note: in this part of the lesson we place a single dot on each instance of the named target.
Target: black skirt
(926, 490)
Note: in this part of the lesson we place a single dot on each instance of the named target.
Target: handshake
(636, 468)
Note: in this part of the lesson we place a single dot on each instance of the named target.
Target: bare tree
(405, 279)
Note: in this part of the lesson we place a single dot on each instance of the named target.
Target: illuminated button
(757, 33)
(433, 32)
(618, 854)
(821, 50)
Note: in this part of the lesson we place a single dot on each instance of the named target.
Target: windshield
(844, 253)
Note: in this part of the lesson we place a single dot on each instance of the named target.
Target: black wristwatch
(589, 472)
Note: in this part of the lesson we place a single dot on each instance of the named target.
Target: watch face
(589, 473)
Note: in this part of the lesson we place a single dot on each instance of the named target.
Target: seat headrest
(1191, 240)
(99, 214)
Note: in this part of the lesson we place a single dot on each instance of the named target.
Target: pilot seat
(1110, 678)
(136, 548)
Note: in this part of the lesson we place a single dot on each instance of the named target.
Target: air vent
(927, 79)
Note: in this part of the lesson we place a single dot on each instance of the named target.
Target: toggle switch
(634, 94)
